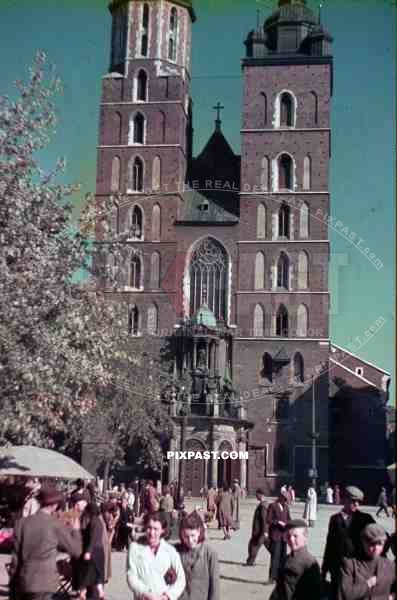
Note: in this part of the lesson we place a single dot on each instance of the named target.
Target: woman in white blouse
(154, 569)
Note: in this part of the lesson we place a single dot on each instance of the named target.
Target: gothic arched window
(133, 320)
(117, 128)
(265, 174)
(261, 222)
(301, 321)
(284, 221)
(162, 126)
(141, 86)
(138, 129)
(267, 367)
(263, 108)
(258, 321)
(283, 271)
(314, 104)
(156, 223)
(208, 275)
(135, 230)
(303, 271)
(152, 319)
(115, 218)
(286, 110)
(145, 30)
(307, 173)
(135, 272)
(285, 172)
(115, 176)
(304, 221)
(299, 372)
(259, 271)
(172, 35)
(155, 270)
(156, 173)
(135, 175)
(282, 327)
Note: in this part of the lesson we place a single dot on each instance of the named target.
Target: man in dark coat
(37, 541)
(259, 535)
(343, 538)
(370, 575)
(277, 517)
(300, 577)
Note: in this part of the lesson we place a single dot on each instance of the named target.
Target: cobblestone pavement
(237, 581)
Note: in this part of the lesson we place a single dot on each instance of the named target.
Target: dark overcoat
(343, 539)
(37, 541)
(299, 579)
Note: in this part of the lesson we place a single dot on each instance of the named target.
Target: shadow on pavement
(243, 580)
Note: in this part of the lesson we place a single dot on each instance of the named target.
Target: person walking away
(277, 517)
(336, 494)
(225, 512)
(37, 542)
(343, 537)
(299, 577)
(166, 509)
(211, 503)
(290, 495)
(199, 561)
(260, 534)
(236, 495)
(382, 502)
(124, 524)
(310, 510)
(154, 568)
(370, 575)
(330, 495)
(92, 567)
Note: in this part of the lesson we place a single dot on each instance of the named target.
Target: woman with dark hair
(154, 569)
(199, 560)
(91, 567)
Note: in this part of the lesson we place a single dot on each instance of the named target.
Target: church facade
(228, 255)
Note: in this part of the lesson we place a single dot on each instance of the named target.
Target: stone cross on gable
(218, 107)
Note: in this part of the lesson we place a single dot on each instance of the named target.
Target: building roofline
(367, 362)
(360, 377)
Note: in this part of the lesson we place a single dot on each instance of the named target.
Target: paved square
(237, 581)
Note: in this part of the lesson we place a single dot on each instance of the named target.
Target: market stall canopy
(39, 462)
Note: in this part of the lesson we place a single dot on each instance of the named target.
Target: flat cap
(295, 524)
(354, 493)
(373, 533)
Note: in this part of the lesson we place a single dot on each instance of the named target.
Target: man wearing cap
(343, 538)
(299, 577)
(370, 575)
(259, 534)
(37, 541)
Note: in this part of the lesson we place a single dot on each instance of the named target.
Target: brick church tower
(235, 268)
(282, 299)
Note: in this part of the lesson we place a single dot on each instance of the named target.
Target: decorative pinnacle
(218, 107)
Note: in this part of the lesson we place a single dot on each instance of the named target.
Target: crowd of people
(86, 525)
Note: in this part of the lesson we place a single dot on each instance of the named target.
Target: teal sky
(76, 36)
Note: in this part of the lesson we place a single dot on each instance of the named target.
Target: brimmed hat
(373, 533)
(49, 495)
(354, 493)
(295, 524)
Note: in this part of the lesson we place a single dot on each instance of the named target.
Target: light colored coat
(310, 510)
(146, 570)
